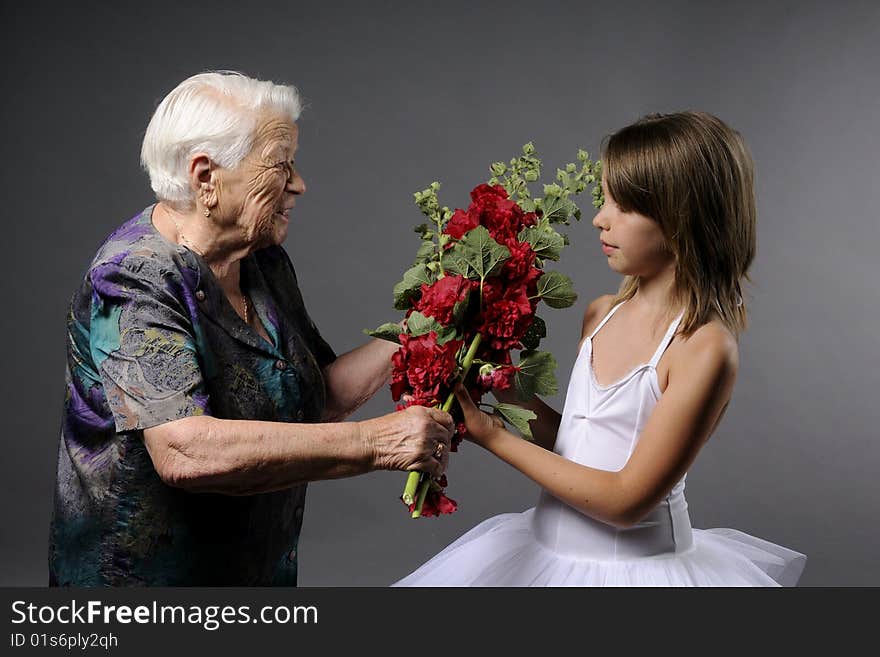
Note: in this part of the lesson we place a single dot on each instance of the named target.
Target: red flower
(487, 194)
(503, 220)
(506, 320)
(436, 503)
(501, 216)
(460, 223)
(499, 379)
(494, 288)
(422, 366)
(521, 262)
(491, 207)
(438, 299)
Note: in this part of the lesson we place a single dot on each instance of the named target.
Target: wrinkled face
(255, 198)
(632, 242)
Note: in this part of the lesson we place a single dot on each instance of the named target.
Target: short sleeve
(143, 346)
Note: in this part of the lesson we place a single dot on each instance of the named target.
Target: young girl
(654, 374)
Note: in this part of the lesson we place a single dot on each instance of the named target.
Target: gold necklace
(183, 237)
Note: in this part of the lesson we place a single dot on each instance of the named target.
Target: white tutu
(503, 551)
(553, 544)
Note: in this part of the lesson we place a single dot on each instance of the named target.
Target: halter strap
(607, 317)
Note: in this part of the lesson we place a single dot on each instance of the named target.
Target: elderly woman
(200, 396)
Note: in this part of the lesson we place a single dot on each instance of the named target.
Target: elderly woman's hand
(417, 438)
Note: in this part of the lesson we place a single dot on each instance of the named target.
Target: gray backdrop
(400, 94)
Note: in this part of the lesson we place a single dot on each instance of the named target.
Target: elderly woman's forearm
(243, 457)
(355, 376)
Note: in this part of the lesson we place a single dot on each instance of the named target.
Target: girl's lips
(607, 249)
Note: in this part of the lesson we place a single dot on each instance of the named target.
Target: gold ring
(438, 453)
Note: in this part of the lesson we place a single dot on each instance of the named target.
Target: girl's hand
(480, 425)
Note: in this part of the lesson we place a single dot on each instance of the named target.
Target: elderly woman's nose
(296, 184)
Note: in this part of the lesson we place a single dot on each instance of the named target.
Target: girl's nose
(599, 220)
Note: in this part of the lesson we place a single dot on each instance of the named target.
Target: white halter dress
(553, 544)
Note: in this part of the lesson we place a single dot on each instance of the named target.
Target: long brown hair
(694, 176)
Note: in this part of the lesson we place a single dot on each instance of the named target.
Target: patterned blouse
(151, 338)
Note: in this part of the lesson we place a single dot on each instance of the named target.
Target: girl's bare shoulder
(712, 344)
(596, 310)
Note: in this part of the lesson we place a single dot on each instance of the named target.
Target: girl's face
(632, 242)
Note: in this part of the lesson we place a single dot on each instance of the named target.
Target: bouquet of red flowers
(471, 296)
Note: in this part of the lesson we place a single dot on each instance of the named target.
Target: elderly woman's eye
(284, 165)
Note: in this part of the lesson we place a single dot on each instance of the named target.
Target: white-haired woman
(200, 396)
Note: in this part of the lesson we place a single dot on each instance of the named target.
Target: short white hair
(216, 113)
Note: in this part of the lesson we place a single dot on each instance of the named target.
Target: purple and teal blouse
(152, 338)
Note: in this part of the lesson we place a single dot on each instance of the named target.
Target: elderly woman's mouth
(282, 214)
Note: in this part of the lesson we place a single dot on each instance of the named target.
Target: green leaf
(389, 331)
(427, 201)
(556, 290)
(534, 334)
(446, 334)
(558, 209)
(536, 374)
(482, 253)
(527, 204)
(546, 242)
(419, 324)
(425, 253)
(411, 284)
(518, 418)
(454, 263)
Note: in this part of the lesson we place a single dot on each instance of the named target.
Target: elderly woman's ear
(201, 175)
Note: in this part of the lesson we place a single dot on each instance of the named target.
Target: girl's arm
(700, 385)
(546, 425)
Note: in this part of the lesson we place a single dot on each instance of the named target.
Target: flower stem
(412, 484)
(426, 482)
(420, 499)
